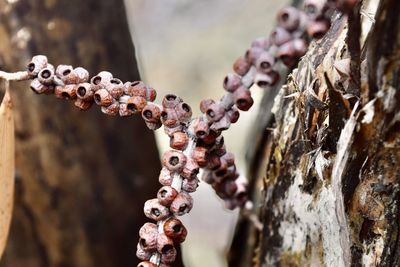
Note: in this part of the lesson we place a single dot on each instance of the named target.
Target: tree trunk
(82, 178)
(329, 164)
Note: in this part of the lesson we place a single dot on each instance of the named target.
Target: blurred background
(187, 47)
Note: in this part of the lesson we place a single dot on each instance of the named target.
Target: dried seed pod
(229, 187)
(174, 229)
(211, 137)
(289, 18)
(85, 92)
(171, 130)
(82, 104)
(124, 111)
(166, 195)
(182, 204)
(208, 177)
(174, 160)
(265, 62)
(232, 82)
(40, 88)
(171, 101)
(62, 71)
(241, 66)
(213, 162)
(101, 80)
(233, 114)
(290, 52)
(46, 75)
(115, 87)
(280, 36)
(81, 74)
(253, 53)
(241, 193)
(222, 124)
(136, 104)
(191, 185)
(179, 140)
(142, 254)
(165, 178)
(112, 109)
(200, 127)
(205, 104)
(169, 117)
(317, 28)
(221, 171)
(215, 112)
(136, 88)
(146, 264)
(151, 113)
(148, 237)
(191, 169)
(151, 94)
(345, 6)
(155, 211)
(184, 112)
(242, 98)
(229, 157)
(37, 63)
(165, 246)
(199, 154)
(153, 125)
(103, 98)
(262, 42)
(314, 8)
(65, 92)
(266, 80)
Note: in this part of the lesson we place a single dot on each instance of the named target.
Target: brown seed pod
(146, 264)
(142, 254)
(174, 160)
(345, 6)
(171, 101)
(211, 137)
(46, 75)
(112, 109)
(136, 88)
(242, 98)
(101, 80)
(65, 92)
(36, 65)
(151, 94)
(136, 104)
(208, 177)
(241, 66)
(229, 187)
(82, 74)
(213, 162)
(215, 112)
(166, 195)
(253, 53)
(280, 36)
(155, 211)
(165, 178)
(174, 229)
(124, 111)
(233, 114)
(200, 127)
(317, 28)
(184, 112)
(289, 18)
(314, 8)
(232, 82)
(205, 104)
(199, 154)
(266, 80)
(115, 87)
(85, 92)
(171, 130)
(82, 104)
(262, 42)
(265, 62)
(40, 88)
(191, 169)
(191, 185)
(103, 98)
(179, 140)
(182, 204)
(62, 71)
(153, 125)
(165, 246)
(222, 124)
(148, 237)
(169, 117)
(229, 157)
(151, 113)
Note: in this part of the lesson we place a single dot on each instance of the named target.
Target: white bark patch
(372, 257)
(369, 110)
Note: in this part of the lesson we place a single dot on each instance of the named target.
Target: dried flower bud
(242, 98)
(146, 264)
(142, 254)
(155, 211)
(171, 101)
(215, 112)
(200, 127)
(136, 88)
(151, 113)
(101, 80)
(191, 169)
(184, 112)
(148, 237)
(82, 104)
(103, 98)
(115, 87)
(46, 75)
(165, 246)
(280, 36)
(174, 160)
(233, 114)
(262, 42)
(65, 92)
(112, 109)
(266, 80)
(199, 154)
(165, 178)
(166, 195)
(314, 8)
(179, 140)
(289, 18)
(205, 104)
(253, 53)
(241, 66)
(232, 82)
(36, 65)
(317, 28)
(265, 62)
(182, 204)
(85, 92)
(40, 88)
(136, 104)
(174, 229)
(191, 185)
(169, 117)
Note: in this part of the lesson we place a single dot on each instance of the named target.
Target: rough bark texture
(82, 178)
(330, 167)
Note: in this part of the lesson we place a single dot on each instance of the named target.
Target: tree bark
(329, 167)
(82, 178)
